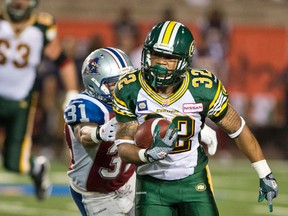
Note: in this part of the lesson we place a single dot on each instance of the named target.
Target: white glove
(107, 131)
(68, 97)
(208, 136)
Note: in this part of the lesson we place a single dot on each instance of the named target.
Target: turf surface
(235, 187)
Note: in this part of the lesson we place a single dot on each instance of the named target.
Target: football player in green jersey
(25, 36)
(172, 175)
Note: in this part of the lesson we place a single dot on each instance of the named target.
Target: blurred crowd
(265, 114)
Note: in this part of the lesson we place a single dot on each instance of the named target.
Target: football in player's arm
(167, 87)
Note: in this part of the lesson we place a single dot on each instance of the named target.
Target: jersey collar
(162, 100)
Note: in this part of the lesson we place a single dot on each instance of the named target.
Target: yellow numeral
(130, 78)
(196, 81)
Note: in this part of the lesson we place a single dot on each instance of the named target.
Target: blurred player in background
(99, 180)
(173, 177)
(25, 36)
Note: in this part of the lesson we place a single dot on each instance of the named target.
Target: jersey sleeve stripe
(118, 101)
(219, 103)
(121, 108)
(216, 96)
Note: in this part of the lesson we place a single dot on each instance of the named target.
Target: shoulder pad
(45, 19)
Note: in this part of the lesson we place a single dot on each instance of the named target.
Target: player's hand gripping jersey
(97, 169)
(186, 108)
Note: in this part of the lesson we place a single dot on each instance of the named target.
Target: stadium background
(256, 60)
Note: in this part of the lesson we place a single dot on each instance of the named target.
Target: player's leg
(156, 210)
(118, 203)
(197, 193)
(77, 197)
(17, 146)
(149, 197)
(191, 196)
(16, 149)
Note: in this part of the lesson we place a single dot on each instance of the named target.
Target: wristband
(119, 141)
(142, 156)
(237, 133)
(261, 168)
(95, 136)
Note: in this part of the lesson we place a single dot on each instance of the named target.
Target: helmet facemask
(102, 90)
(158, 75)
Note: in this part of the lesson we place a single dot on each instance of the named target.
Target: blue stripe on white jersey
(84, 108)
(117, 56)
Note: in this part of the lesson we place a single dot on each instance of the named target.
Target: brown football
(144, 134)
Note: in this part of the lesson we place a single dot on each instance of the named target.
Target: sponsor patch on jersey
(142, 105)
(200, 187)
(192, 107)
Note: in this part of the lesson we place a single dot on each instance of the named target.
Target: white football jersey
(201, 95)
(21, 53)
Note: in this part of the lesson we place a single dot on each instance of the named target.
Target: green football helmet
(169, 39)
(17, 11)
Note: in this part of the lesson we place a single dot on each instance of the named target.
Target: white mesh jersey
(21, 52)
(201, 94)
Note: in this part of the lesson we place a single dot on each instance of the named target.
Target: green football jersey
(200, 95)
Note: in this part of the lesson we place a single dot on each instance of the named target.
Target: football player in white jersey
(25, 36)
(100, 182)
(172, 175)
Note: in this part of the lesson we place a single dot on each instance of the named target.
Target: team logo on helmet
(191, 48)
(92, 66)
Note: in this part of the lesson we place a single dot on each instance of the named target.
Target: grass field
(235, 186)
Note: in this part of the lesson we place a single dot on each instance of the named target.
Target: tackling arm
(91, 134)
(83, 133)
